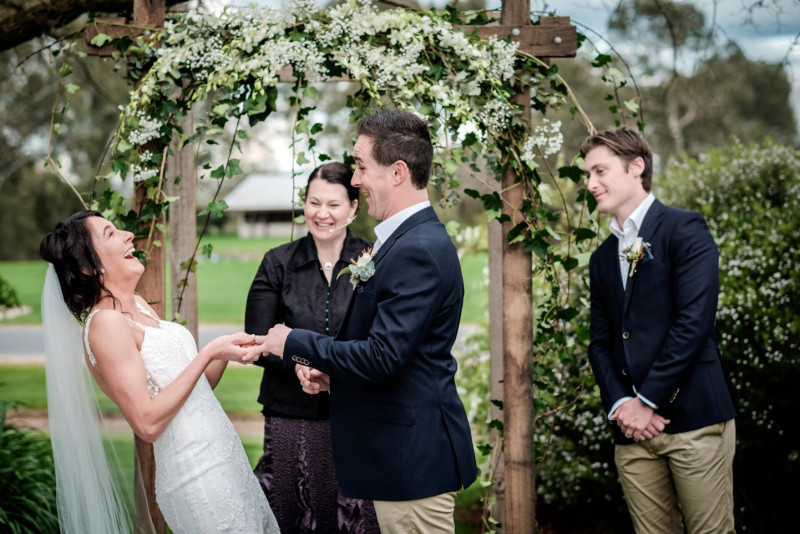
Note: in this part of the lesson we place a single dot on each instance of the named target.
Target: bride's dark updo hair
(70, 250)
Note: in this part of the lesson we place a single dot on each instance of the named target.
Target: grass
(223, 282)
(25, 384)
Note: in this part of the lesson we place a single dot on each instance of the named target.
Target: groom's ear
(400, 172)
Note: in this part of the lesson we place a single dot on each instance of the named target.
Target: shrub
(8, 296)
(750, 196)
(27, 480)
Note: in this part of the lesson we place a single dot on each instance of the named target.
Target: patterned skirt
(297, 475)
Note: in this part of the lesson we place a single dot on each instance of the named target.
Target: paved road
(26, 343)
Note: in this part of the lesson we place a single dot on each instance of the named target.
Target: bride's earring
(102, 271)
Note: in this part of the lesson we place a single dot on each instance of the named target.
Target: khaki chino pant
(672, 475)
(432, 515)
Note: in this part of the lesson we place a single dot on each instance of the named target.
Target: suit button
(626, 335)
(625, 371)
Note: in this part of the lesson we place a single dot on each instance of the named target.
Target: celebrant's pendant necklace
(328, 266)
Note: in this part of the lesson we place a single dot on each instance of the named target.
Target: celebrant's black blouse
(290, 288)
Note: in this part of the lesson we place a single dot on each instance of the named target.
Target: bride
(153, 372)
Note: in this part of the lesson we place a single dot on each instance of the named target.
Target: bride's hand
(232, 347)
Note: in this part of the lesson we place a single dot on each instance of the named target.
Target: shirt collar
(385, 229)
(636, 218)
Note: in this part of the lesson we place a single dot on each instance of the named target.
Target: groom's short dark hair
(626, 143)
(400, 136)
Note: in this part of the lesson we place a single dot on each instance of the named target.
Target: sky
(765, 35)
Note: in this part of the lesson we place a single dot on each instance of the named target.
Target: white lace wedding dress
(204, 482)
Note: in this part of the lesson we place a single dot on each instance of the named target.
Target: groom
(654, 289)
(399, 430)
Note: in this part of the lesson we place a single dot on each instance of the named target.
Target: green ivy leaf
(100, 39)
(573, 172)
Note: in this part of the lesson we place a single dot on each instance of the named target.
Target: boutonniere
(360, 269)
(637, 253)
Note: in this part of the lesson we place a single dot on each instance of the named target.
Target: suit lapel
(649, 226)
(420, 217)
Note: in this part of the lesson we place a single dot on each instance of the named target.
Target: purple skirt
(297, 476)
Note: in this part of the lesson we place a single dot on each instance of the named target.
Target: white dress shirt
(625, 238)
(629, 232)
(385, 229)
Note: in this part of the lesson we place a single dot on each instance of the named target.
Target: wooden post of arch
(511, 308)
(150, 14)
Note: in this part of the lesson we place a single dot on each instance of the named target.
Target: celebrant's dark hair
(336, 173)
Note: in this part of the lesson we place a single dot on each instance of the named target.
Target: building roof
(265, 192)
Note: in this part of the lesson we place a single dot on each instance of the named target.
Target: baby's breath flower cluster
(413, 60)
(547, 137)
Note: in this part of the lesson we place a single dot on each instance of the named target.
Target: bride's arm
(121, 368)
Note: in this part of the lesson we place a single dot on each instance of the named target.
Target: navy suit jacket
(398, 426)
(657, 335)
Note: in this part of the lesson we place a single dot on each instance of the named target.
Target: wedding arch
(477, 95)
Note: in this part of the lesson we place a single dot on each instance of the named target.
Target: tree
(23, 20)
(31, 200)
(697, 92)
(728, 95)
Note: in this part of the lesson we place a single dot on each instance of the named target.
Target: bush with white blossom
(750, 196)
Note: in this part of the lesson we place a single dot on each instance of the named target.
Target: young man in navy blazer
(654, 289)
(400, 433)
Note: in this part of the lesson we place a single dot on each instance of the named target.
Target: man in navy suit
(400, 433)
(654, 289)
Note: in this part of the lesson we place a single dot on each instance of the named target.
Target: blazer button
(301, 361)
(626, 334)
(624, 371)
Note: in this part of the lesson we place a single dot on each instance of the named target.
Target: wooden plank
(551, 37)
(114, 28)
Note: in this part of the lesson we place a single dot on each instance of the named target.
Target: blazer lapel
(420, 217)
(649, 226)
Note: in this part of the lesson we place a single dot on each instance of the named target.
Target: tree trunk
(151, 288)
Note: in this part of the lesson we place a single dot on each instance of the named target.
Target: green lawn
(25, 385)
(223, 282)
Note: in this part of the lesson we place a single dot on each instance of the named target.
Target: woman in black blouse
(296, 284)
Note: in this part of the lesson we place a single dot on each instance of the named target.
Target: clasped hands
(637, 421)
(312, 380)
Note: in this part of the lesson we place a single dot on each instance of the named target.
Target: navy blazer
(398, 426)
(657, 335)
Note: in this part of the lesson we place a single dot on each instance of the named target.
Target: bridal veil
(89, 496)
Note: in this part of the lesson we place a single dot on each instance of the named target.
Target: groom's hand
(312, 380)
